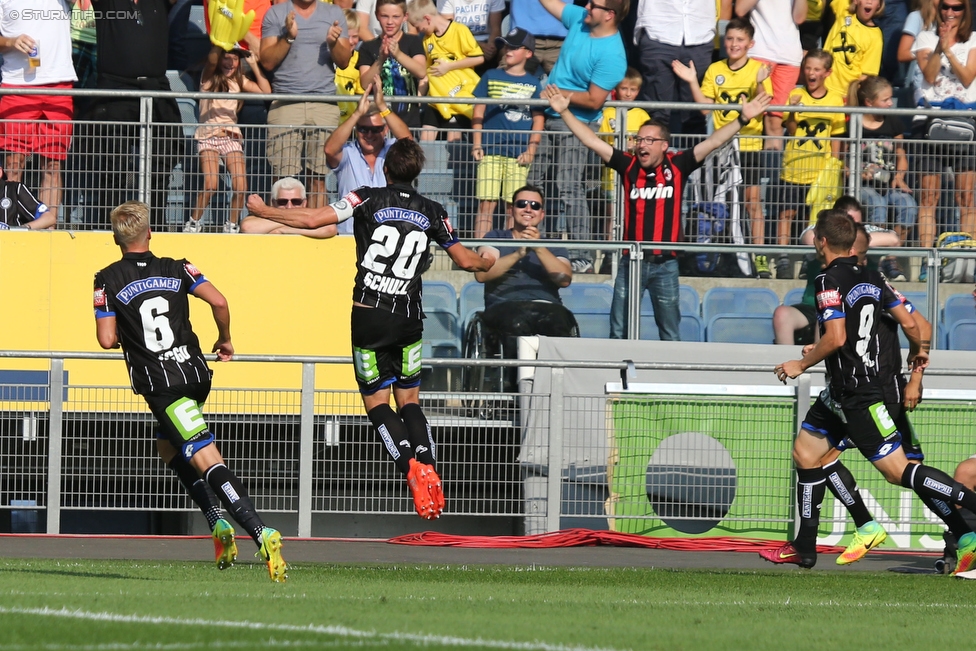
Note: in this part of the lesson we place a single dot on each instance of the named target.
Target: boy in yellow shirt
(347, 79)
(737, 80)
(452, 55)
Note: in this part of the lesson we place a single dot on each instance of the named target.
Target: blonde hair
(130, 223)
(417, 9)
(352, 19)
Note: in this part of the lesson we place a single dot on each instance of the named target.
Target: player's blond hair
(130, 222)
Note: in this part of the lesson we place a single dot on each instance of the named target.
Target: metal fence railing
(306, 451)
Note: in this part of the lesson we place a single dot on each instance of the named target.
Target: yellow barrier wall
(288, 295)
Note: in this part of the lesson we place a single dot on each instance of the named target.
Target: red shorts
(38, 124)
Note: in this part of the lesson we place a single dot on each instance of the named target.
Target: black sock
(197, 488)
(948, 514)
(810, 490)
(419, 431)
(234, 496)
(931, 482)
(843, 486)
(394, 434)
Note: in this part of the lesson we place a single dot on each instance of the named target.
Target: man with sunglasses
(359, 162)
(522, 286)
(653, 179)
(287, 193)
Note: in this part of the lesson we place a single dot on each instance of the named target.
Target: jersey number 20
(405, 254)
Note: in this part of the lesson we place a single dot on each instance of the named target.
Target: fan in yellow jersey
(736, 80)
(855, 42)
(347, 79)
(452, 55)
(814, 139)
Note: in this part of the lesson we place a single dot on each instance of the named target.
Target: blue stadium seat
(586, 296)
(688, 302)
(690, 328)
(957, 308)
(740, 329)
(593, 324)
(439, 294)
(794, 296)
(739, 300)
(920, 300)
(962, 335)
(441, 335)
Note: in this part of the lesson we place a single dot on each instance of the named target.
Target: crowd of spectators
(804, 54)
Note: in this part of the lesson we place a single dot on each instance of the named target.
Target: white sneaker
(231, 227)
(193, 226)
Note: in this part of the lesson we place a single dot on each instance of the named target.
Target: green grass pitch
(128, 605)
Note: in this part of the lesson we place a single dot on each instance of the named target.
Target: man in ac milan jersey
(654, 180)
(141, 304)
(393, 227)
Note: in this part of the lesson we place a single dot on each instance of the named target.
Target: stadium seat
(690, 328)
(739, 300)
(439, 294)
(441, 335)
(794, 296)
(957, 308)
(472, 300)
(587, 296)
(740, 329)
(688, 302)
(920, 300)
(962, 335)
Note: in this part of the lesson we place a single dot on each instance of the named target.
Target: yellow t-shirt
(455, 44)
(856, 48)
(347, 83)
(814, 10)
(725, 86)
(810, 144)
(635, 119)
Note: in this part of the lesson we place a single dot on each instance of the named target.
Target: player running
(141, 304)
(393, 227)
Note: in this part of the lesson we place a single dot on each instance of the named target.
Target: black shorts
(386, 349)
(750, 162)
(933, 157)
(793, 196)
(178, 412)
(803, 336)
(810, 33)
(865, 424)
(433, 118)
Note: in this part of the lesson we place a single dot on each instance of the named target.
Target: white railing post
(554, 492)
(55, 396)
(305, 451)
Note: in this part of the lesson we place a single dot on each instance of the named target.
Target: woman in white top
(777, 45)
(918, 21)
(947, 59)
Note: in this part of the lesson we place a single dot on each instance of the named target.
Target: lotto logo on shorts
(828, 298)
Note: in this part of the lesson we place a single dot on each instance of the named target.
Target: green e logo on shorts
(186, 417)
(882, 419)
(412, 358)
(365, 363)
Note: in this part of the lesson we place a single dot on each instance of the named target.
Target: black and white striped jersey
(393, 228)
(859, 295)
(148, 298)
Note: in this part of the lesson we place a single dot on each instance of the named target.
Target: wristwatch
(289, 40)
(742, 120)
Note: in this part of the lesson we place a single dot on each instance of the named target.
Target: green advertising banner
(686, 465)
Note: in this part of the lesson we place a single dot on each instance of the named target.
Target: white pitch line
(338, 631)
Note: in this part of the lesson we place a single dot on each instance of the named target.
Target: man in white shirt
(35, 40)
(667, 30)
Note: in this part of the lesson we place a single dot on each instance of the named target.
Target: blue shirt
(585, 60)
(353, 172)
(503, 122)
(531, 16)
(527, 280)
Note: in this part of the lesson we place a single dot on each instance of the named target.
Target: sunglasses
(293, 201)
(953, 8)
(373, 130)
(604, 7)
(522, 203)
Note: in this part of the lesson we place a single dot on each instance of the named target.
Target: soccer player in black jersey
(141, 304)
(850, 300)
(393, 227)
